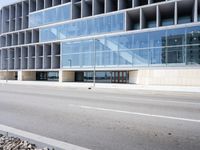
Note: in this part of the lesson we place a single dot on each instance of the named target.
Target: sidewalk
(195, 89)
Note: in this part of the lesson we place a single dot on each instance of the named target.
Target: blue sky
(6, 2)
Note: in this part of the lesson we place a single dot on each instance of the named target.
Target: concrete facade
(26, 75)
(181, 77)
(8, 75)
(66, 76)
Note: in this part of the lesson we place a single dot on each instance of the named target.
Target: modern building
(155, 42)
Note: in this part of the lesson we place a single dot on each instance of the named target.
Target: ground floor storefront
(177, 77)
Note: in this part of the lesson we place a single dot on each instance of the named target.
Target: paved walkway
(108, 85)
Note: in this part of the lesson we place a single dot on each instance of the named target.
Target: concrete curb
(42, 139)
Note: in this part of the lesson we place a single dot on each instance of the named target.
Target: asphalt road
(105, 119)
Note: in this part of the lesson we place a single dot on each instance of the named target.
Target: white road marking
(176, 102)
(41, 139)
(135, 113)
(153, 100)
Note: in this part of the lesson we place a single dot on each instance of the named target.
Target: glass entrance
(47, 76)
(103, 76)
(119, 77)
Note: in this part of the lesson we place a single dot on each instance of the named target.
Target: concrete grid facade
(126, 41)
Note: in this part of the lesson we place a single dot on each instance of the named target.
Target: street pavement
(104, 119)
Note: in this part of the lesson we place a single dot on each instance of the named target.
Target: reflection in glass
(176, 37)
(134, 50)
(126, 42)
(141, 40)
(193, 55)
(52, 15)
(157, 56)
(141, 57)
(193, 35)
(126, 58)
(175, 55)
(157, 38)
(87, 27)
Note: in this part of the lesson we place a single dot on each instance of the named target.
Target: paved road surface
(105, 119)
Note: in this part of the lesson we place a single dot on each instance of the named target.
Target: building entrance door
(119, 77)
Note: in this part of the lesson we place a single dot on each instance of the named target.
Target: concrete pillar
(176, 14)
(19, 77)
(157, 16)
(150, 2)
(141, 19)
(133, 75)
(66, 76)
(195, 11)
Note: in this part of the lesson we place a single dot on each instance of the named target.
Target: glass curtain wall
(174, 47)
(52, 15)
(85, 27)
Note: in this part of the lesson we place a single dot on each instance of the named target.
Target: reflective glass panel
(175, 55)
(141, 40)
(86, 27)
(126, 42)
(141, 57)
(157, 39)
(52, 15)
(193, 35)
(126, 57)
(157, 56)
(176, 37)
(193, 55)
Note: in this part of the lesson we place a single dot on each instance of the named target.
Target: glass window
(51, 15)
(184, 19)
(157, 39)
(175, 55)
(63, 13)
(43, 34)
(132, 49)
(126, 42)
(141, 57)
(87, 59)
(62, 32)
(36, 19)
(115, 22)
(83, 28)
(158, 56)
(141, 40)
(66, 48)
(49, 34)
(100, 59)
(176, 37)
(167, 22)
(111, 43)
(111, 58)
(193, 35)
(126, 58)
(108, 23)
(90, 26)
(72, 60)
(100, 44)
(87, 46)
(193, 55)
